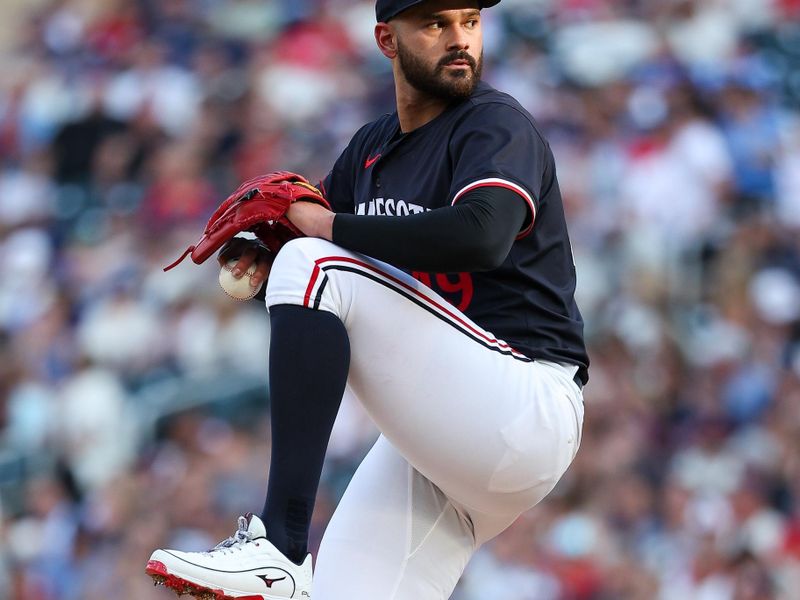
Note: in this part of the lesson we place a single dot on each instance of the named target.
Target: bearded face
(453, 77)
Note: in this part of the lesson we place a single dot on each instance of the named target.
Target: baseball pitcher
(431, 274)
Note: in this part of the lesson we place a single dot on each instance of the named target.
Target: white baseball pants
(473, 433)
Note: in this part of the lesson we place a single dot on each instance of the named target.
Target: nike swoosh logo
(371, 161)
(269, 581)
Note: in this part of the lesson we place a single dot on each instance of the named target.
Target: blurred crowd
(133, 404)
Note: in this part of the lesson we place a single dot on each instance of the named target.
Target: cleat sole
(161, 576)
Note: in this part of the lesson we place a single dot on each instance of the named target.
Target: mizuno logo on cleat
(269, 581)
(286, 584)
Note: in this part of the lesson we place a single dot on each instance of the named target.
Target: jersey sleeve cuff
(503, 183)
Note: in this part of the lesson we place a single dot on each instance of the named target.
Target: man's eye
(435, 25)
(472, 23)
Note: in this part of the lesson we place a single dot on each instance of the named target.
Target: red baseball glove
(259, 205)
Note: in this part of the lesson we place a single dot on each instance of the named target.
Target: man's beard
(439, 83)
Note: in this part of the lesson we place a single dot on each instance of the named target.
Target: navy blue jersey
(486, 140)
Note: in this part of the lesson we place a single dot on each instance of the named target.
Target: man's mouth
(458, 64)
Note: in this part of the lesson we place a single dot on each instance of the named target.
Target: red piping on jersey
(507, 186)
(467, 326)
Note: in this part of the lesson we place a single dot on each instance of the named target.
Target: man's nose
(459, 39)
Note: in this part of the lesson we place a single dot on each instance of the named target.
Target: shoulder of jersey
(497, 104)
(381, 126)
(373, 134)
(487, 96)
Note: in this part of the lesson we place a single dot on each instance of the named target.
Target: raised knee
(301, 252)
(307, 247)
(295, 273)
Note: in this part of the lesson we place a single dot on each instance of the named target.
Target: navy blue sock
(308, 365)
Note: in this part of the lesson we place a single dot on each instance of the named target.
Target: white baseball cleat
(243, 567)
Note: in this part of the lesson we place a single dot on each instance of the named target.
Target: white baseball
(238, 289)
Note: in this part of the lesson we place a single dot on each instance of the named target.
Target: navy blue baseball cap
(387, 9)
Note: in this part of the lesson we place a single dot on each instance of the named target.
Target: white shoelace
(237, 540)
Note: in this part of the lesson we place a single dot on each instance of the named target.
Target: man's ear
(386, 39)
